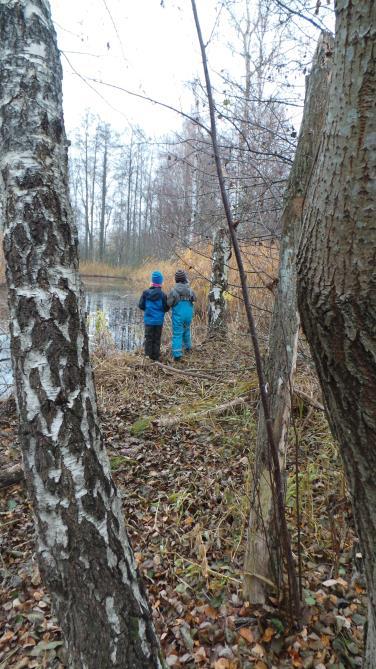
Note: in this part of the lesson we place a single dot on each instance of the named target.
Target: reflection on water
(122, 316)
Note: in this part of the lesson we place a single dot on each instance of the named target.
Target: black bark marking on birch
(84, 552)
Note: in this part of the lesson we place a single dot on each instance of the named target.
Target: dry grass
(103, 269)
(149, 393)
(261, 263)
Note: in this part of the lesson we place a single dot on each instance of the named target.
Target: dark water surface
(107, 301)
(119, 306)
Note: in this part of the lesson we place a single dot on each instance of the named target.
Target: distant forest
(136, 196)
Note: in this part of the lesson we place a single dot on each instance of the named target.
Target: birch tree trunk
(219, 283)
(263, 562)
(84, 553)
(336, 270)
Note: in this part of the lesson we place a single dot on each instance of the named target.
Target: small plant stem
(293, 583)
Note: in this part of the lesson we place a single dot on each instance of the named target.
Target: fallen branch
(212, 572)
(168, 421)
(11, 476)
(103, 276)
(309, 400)
(184, 372)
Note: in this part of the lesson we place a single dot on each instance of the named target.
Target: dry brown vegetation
(181, 445)
(186, 486)
(101, 269)
(261, 263)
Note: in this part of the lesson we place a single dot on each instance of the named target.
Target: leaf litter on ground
(185, 487)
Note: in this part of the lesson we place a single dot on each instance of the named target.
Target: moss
(117, 461)
(141, 425)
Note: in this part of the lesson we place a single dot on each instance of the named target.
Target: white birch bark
(336, 270)
(84, 553)
(219, 283)
(263, 553)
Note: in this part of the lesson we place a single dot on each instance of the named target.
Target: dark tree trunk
(86, 201)
(102, 232)
(263, 563)
(336, 270)
(92, 198)
(129, 199)
(84, 553)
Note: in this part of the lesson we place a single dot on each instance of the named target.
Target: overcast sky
(146, 46)
(136, 44)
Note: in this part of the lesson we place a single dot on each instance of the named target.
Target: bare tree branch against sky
(150, 49)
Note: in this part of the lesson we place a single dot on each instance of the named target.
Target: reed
(101, 269)
(261, 265)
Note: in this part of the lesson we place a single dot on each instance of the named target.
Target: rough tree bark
(84, 553)
(219, 283)
(336, 270)
(263, 554)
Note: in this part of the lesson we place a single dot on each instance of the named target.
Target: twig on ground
(184, 372)
(11, 476)
(168, 421)
(309, 400)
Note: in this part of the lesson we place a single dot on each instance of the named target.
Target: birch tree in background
(219, 283)
(263, 554)
(84, 553)
(336, 270)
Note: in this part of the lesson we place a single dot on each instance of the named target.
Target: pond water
(106, 301)
(119, 307)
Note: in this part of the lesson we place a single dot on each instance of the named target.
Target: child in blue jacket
(153, 303)
(181, 299)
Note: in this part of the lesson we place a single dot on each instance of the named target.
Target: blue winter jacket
(153, 303)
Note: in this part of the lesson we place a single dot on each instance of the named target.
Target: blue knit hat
(157, 278)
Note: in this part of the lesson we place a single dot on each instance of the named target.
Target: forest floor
(183, 470)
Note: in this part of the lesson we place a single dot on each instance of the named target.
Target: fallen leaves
(8, 636)
(183, 494)
(222, 663)
(200, 655)
(268, 634)
(247, 634)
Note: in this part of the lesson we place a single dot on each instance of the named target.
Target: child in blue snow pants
(181, 299)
